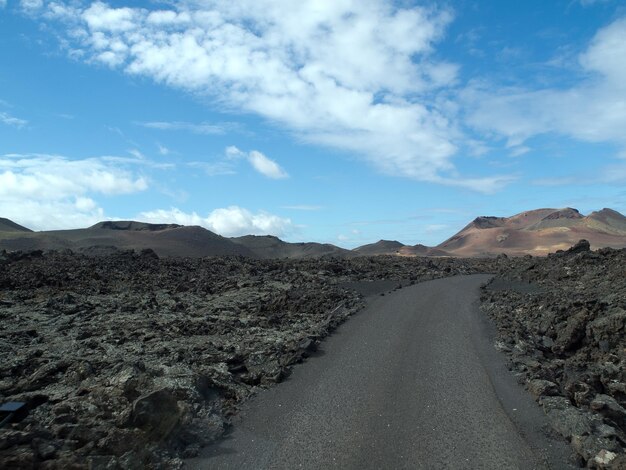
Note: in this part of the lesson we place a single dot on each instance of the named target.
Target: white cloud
(266, 166)
(435, 228)
(6, 118)
(3, 3)
(163, 150)
(518, 151)
(230, 221)
(100, 17)
(137, 154)
(358, 76)
(233, 152)
(30, 5)
(592, 111)
(488, 185)
(196, 128)
(54, 192)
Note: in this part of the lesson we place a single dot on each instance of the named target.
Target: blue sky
(334, 121)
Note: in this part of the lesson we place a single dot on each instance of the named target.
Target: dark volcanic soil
(562, 321)
(131, 361)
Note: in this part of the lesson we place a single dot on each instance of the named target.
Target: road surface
(410, 382)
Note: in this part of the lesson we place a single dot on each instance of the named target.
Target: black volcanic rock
(132, 361)
(579, 247)
(562, 321)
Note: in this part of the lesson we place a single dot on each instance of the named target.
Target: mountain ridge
(535, 232)
(7, 225)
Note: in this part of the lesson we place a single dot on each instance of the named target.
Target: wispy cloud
(436, 228)
(137, 154)
(587, 3)
(519, 150)
(163, 150)
(593, 110)
(216, 168)
(606, 175)
(6, 118)
(558, 181)
(614, 174)
(197, 128)
(31, 5)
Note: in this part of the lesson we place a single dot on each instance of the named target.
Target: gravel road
(411, 381)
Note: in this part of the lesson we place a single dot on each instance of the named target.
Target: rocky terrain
(134, 361)
(562, 321)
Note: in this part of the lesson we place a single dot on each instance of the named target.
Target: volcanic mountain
(267, 246)
(7, 225)
(164, 239)
(537, 232)
(105, 237)
(381, 247)
(393, 247)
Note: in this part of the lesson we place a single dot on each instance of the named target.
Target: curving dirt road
(411, 382)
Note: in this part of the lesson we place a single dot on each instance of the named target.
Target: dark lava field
(562, 321)
(130, 360)
(133, 361)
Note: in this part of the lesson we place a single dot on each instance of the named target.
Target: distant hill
(537, 232)
(267, 246)
(422, 250)
(104, 237)
(165, 239)
(393, 247)
(132, 226)
(7, 225)
(381, 247)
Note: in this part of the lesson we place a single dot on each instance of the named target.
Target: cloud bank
(45, 192)
(354, 75)
(360, 76)
(230, 221)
